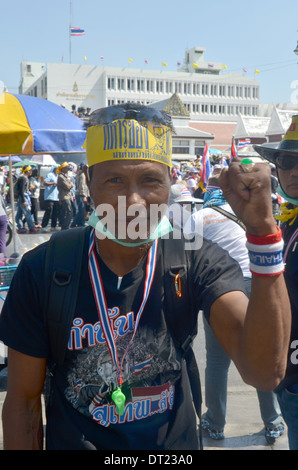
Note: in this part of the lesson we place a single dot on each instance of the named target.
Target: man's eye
(116, 179)
(151, 179)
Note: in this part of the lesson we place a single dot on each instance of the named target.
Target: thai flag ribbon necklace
(117, 396)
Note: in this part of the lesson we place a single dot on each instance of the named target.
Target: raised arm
(255, 334)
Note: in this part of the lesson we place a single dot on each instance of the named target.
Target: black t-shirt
(81, 415)
(290, 235)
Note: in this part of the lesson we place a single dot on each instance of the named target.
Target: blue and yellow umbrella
(30, 125)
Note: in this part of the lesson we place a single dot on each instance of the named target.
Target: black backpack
(63, 269)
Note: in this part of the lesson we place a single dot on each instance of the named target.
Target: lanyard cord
(101, 303)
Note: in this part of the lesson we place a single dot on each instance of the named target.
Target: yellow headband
(26, 168)
(128, 139)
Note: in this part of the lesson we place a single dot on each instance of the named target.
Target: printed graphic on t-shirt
(149, 370)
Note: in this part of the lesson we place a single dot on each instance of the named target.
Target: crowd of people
(65, 200)
(121, 382)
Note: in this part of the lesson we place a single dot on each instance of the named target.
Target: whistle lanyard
(101, 303)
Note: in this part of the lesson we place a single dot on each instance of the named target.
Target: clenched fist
(247, 188)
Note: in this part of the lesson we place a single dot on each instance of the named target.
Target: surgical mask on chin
(163, 228)
(281, 192)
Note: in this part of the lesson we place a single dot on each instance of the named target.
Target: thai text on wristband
(266, 254)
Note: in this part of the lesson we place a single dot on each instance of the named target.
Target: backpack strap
(229, 216)
(63, 270)
(179, 306)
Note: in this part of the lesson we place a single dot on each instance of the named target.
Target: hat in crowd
(129, 131)
(217, 167)
(193, 169)
(26, 168)
(63, 165)
(181, 194)
(288, 145)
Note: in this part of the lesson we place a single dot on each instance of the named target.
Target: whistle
(119, 399)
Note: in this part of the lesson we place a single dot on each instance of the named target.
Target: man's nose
(135, 195)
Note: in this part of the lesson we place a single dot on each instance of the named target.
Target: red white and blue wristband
(266, 254)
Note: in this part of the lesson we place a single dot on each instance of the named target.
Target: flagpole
(70, 23)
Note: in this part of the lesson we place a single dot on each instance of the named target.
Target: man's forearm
(266, 332)
(22, 426)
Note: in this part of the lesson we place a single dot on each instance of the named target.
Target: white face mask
(164, 227)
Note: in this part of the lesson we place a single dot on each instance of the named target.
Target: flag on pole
(129, 61)
(101, 58)
(205, 168)
(178, 64)
(234, 153)
(85, 58)
(146, 62)
(164, 64)
(210, 66)
(257, 71)
(224, 67)
(244, 69)
(243, 143)
(77, 31)
(195, 66)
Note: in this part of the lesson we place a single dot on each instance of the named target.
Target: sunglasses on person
(134, 111)
(284, 162)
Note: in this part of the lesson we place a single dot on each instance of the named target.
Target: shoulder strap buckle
(62, 278)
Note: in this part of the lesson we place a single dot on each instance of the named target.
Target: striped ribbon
(101, 303)
(291, 241)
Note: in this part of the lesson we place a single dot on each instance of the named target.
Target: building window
(222, 90)
(130, 84)
(180, 146)
(111, 83)
(140, 85)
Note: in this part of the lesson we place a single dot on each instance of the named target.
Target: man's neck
(118, 258)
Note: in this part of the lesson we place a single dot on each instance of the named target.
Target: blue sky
(254, 34)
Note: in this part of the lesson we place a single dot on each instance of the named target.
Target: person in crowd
(216, 169)
(192, 179)
(3, 226)
(51, 199)
(220, 225)
(120, 318)
(34, 186)
(81, 195)
(285, 159)
(64, 185)
(24, 202)
(72, 173)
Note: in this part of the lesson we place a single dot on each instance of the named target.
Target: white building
(208, 92)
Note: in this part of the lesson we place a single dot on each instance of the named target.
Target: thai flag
(205, 169)
(154, 394)
(146, 61)
(77, 31)
(243, 143)
(139, 367)
(210, 66)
